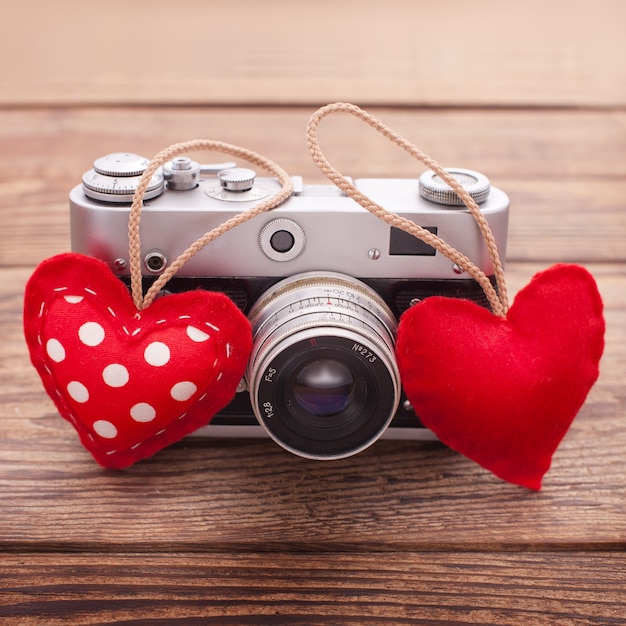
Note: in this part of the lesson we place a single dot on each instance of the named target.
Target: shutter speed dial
(115, 178)
(121, 164)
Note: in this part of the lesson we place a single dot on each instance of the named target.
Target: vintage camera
(322, 281)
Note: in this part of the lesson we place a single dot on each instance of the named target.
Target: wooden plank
(52, 147)
(338, 588)
(481, 53)
(244, 495)
(565, 172)
(240, 531)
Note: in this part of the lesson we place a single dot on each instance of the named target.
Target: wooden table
(241, 532)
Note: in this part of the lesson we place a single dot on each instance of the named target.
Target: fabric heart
(504, 391)
(130, 382)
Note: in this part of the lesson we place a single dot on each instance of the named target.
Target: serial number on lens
(367, 354)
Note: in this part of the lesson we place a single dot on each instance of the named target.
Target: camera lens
(324, 387)
(322, 376)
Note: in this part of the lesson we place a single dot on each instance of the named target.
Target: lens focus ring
(322, 376)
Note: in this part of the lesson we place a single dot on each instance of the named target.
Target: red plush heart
(130, 382)
(504, 392)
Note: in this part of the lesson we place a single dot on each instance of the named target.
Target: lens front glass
(324, 387)
(322, 376)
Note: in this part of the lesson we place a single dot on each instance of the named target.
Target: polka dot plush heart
(130, 382)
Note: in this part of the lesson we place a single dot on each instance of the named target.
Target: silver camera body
(322, 281)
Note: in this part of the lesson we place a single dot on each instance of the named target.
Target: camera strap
(161, 368)
(497, 299)
(500, 388)
(163, 157)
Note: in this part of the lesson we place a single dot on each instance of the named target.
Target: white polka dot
(157, 354)
(78, 391)
(91, 334)
(115, 375)
(105, 429)
(183, 391)
(197, 335)
(73, 299)
(55, 350)
(142, 412)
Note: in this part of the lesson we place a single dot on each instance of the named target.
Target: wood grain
(483, 53)
(239, 531)
(206, 494)
(284, 588)
(564, 171)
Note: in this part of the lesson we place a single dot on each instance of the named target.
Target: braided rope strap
(166, 155)
(497, 299)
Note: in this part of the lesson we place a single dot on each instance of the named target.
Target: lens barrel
(322, 376)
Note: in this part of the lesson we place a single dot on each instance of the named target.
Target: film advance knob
(237, 179)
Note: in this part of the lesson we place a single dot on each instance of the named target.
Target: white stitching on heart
(72, 418)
